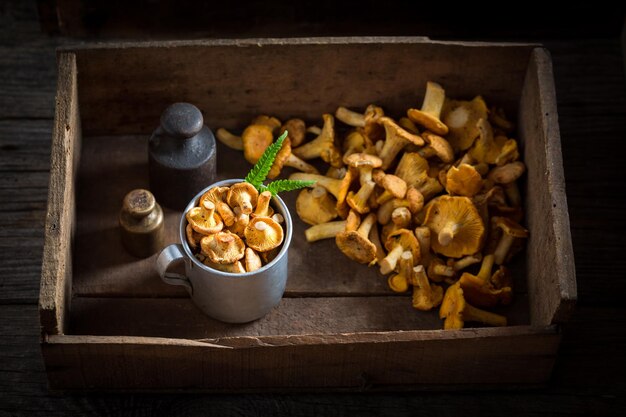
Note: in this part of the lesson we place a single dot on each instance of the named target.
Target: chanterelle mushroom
(263, 208)
(263, 234)
(296, 129)
(243, 195)
(456, 311)
(398, 242)
(458, 227)
(510, 232)
(323, 146)
(479, 290)
(396, 138)
(354, 242)
(394, 186)
(428, 116)
(325, 230)
(461, 118)
(223, 247)
(349, 117)
(286, 158)
(439, 146)
(425, 296)
(204, 219)
(400, 282)
(464, 181)
(315, 206)
(256, 138)
(364, 163)
(413, 169)
(216, 195)
(337, 187)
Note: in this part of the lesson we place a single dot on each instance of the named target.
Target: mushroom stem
(388, 264)
(485, 269)
(366, 225)
(447, 233)
(226, 213)
(324, 230)
(512, 192)
(471, 313)
(229, 139)
(467, 261)
(434, 99)
(209, 209)
(350, 117)
(504, 245)
(358, 201)
(263, 204)
(315, 130)
(297, 163)
(334, 186)
(443, 270)
(423, 237)
(374, 237)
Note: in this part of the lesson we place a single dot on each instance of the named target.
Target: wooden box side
(549, 254)
(417, 359)
(56, 271)
(232, 81)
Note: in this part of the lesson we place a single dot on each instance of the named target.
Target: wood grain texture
(56, 274)
(551, 272)
(24, 388)
(179, 318)
(512, 355)
(589, 373)
(117, 79)
(102, 267)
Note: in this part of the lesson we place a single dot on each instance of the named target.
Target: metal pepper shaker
(141, 223)
(181, 156)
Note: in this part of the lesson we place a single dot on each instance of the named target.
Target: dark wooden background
(589, 377)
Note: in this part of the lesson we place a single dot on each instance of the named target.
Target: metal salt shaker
(141, 223)
(181, 156)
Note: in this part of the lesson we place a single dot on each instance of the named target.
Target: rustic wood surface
(589, 377)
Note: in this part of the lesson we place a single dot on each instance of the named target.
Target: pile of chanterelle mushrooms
(423, 197)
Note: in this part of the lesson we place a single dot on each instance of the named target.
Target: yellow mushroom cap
(296, 129)
(461, 118)
(256, 138)
(457, 224)
(263, 234)
(356, 246)
(406, 239)
(204, 219)
(427, 120)
(464, 180)
(223, 247)
(244, 196)
(316, 206)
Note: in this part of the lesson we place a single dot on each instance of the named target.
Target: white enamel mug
(229, 297)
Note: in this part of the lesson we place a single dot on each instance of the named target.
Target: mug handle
(171, 254)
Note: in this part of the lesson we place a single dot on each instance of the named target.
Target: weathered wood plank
(27, 80)
(551, 269)
(56, 276)
(25, 145)
(24, 388)
(179, 318)
(518, 355)
(117, 80)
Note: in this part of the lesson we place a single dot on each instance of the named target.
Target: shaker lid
(182, 120)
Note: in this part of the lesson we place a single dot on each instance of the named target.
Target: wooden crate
(109, 323)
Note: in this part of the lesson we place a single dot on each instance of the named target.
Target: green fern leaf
(279, 186)
(259, 171)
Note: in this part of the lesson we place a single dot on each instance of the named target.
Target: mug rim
(283, 251)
